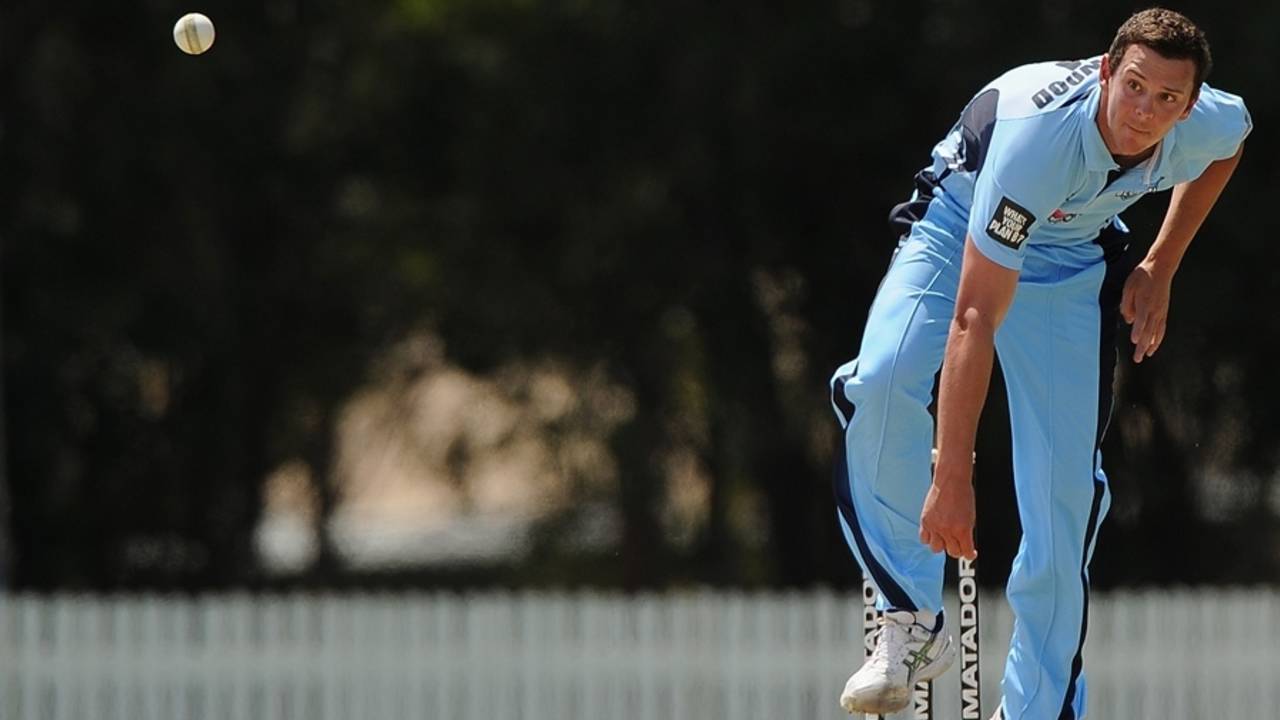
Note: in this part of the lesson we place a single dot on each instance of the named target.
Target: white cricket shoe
(907, 652)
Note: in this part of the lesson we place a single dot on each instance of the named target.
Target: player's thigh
(1057, 367)
(906, 331)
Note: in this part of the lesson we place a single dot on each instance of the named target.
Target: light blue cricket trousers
(1056, 348)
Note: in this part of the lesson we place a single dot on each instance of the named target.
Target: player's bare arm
(1145, 303)
(982, 300)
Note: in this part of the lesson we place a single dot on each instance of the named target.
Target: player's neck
(1128, 161)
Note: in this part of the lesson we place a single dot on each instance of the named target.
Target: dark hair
(1168, 33)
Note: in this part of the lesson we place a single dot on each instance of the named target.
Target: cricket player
(1012, 246)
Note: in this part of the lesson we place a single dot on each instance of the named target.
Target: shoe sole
(891, 700)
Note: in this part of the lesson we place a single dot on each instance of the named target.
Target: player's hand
(1145, 306)
(946, 522)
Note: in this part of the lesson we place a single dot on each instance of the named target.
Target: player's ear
(1104, 71)
(1191, 103)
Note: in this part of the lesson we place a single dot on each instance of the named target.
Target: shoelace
(891, 644)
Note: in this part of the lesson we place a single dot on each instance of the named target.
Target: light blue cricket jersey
(1025, 169)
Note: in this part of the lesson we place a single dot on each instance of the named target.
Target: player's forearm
(982, 300)
(1189, 206)
(966, 375)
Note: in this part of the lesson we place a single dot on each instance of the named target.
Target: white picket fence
(532, 656)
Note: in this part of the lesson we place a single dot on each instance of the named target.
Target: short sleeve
(1026, 176)
(1218, 123)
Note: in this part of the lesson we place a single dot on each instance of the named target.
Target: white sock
(926, 618)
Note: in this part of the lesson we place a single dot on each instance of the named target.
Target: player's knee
(1043, 584)
(870, 384)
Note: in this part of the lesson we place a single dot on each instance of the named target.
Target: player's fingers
(953, 546)
(1155, 331)
(967, 550)
(1157, 337)
(1141, 336)
(1126, 303)
(1139, 321)
(934, 541)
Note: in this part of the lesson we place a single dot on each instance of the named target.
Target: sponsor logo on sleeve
(1010, 224)
(1058, 216)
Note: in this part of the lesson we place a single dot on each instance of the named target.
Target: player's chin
(1138, 141)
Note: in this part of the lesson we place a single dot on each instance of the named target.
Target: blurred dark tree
(204, 257)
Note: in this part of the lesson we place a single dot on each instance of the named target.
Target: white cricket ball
(193, 33)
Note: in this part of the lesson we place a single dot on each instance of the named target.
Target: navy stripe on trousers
(892, 591)
(1114, 244)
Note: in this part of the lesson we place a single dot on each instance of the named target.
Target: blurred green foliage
(205, 258)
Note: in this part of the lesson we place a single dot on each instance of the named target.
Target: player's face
(1142, 98)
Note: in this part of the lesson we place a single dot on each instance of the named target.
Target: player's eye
(1134, 86)
(1169, 98)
